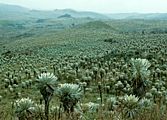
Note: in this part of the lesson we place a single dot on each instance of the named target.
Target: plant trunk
(59, 112)
(100, 91)
(47, 109)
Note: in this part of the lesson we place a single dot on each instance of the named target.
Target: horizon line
(41, 9)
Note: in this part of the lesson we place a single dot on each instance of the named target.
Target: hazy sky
(102, 6)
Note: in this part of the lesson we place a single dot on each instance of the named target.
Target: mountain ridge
(13, 12)
(10, 11)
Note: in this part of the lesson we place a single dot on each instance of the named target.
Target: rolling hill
(14, 12)
(146, 16)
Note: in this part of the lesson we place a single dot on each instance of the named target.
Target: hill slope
(16, 12)
(147, 16)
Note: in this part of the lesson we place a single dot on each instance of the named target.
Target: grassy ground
(108, 44)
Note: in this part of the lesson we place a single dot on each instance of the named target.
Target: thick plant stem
(47, 109)
(100, 91)
(59, 112)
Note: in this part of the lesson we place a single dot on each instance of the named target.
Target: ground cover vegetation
(83, 69)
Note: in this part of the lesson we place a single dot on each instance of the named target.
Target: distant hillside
(14, 12)
(80, 14)
(147, 16)
(96, 25)
(12, 8)
(65, 16)
(17, 12)
(158, 16)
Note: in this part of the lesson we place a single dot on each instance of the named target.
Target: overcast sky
(102, 6)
